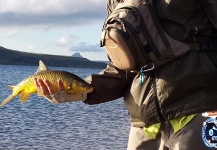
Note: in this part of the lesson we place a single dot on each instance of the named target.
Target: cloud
(87, 47)
(50, 12)
(11, 32)
(31, 47)
(49, 6)
(68, 42)
(64, 41)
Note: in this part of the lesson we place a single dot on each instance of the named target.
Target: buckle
(144, 69)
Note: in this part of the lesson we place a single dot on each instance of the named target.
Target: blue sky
(59, 27)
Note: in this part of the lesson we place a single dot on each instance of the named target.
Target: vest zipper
(156, 100)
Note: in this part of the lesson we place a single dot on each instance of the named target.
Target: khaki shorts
(188, 138)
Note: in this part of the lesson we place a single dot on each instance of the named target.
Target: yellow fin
(24, 96)
(8, 99)
(10, 87)
(71, 91)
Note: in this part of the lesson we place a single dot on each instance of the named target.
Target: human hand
(210, 114)
(47, 90)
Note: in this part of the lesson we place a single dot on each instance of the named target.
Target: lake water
(41, 125)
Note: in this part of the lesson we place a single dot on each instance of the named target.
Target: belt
(204, 46)
(207, 46)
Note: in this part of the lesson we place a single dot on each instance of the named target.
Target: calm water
(40, 125)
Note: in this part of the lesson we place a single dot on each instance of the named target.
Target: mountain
(13, 57)
(78, 55)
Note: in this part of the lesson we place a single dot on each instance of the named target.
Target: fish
(72, 84)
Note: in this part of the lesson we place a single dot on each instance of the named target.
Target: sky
(56, 27)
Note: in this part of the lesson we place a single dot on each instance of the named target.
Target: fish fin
(71, 91)
(8, 99)
(41, 67)
(24, 96)
(10, 87)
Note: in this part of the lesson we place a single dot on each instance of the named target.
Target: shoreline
(13, 57)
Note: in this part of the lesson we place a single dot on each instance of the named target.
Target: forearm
(62, 97)
(109, 85)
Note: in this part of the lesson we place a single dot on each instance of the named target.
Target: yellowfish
(72, 83)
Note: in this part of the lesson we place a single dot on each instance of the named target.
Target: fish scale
(71, 82)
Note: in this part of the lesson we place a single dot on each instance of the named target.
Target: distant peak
(77, 55)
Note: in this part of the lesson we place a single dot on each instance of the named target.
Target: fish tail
(8, 99)
(10, 87)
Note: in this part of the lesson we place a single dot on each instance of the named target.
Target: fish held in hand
(71, 82)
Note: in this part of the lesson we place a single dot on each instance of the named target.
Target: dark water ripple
(40, 125)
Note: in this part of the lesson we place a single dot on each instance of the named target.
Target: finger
(37, 86)
(213, 113)
(36, 82)
(43, 87)
(50, 87)
(61, 85)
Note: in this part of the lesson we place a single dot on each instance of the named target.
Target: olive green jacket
(185, 86)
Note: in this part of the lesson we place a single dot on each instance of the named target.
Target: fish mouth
(90, 90)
